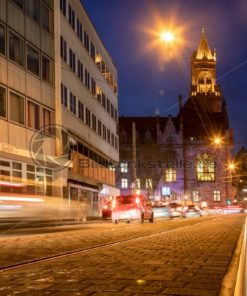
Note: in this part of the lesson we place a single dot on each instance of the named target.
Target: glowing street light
(217, 141)
(167, 36)
(231, 166)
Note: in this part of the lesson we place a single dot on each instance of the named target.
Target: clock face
(45, 140)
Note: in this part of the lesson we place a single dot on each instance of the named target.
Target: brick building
(184, 157)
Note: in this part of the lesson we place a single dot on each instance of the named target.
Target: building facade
(186, 156)
(58, 103)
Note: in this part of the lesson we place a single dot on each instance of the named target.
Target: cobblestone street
(181, 260)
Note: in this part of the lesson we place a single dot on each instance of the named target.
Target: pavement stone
(169, 263)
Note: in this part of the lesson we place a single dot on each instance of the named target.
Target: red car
(131, 207)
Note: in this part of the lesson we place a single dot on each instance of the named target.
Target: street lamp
(167, 36)
(217, 141)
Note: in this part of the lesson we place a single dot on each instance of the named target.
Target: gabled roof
(144, 124)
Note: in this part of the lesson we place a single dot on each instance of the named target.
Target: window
(80, 70)
(205, 168)
(63, 6)
(79, 30)
(123, 167)
(195, 196)
(170, 175)
(46, 18)
(216, 196)
(47, 70)
(32, 8)
(32, 60)
(88, 117)
(108, 136)
(47, 121)
(112, 111)
(149, 184)
(63, 48)
(108, 105)
(16, 108)
(33, 116)
(71, 59)
(92, 51)
(103, 100)
(19, 3)
(2, 102)
(81, 110)
(16, 49)
(99, 128)
(93, 86)
(98, 94)
(112, 139)
(86, 41)
(116, 142)
(2, 40)
(94, 122)
(104, 132)
(71, 17)
(64, 96)
(115, 111)
(87, 79)
(124, 183)
(72, 103)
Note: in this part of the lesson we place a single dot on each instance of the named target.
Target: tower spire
(203, 49)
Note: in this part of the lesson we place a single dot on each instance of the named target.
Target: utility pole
(133, 163)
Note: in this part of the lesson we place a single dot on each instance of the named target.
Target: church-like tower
(203, 76)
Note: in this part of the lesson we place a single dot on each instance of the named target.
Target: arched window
(205, 168)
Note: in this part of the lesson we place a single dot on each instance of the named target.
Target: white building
(58, 102)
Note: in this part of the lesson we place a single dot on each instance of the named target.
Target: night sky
(152, 75)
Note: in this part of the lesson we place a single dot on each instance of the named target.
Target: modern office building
(58, 103)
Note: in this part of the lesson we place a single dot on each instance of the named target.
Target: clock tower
(203, 77)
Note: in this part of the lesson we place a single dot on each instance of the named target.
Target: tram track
(95, 247)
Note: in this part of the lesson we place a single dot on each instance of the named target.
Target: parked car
(131, 207)
(161, 211)
(191, 211)
(176, 209)
(107, 210)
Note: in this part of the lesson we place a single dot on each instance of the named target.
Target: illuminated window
(47, 121)
(17, 109)
(205, 168)
(124, 183)
(170, 175)
(216, 195)
(123, 167)
(149, 184)
(195, 196)
(33, 115)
